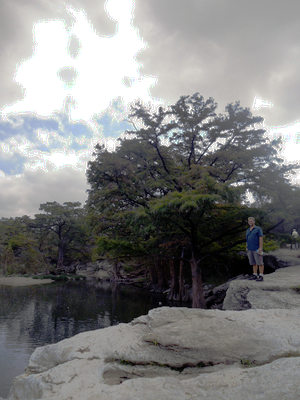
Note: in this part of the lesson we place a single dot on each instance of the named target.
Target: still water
(35, 316)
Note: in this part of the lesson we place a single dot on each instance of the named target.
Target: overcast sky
(69, 71)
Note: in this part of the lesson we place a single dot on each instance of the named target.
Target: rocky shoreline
(183, 353)
(173, 353)
(214, 295)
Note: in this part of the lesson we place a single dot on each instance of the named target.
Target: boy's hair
(251, 218)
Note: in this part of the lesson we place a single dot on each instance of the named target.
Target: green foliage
(128, 267)
(269, 245)
(248, 363)
(31, 245)
(182, 180)
(63, 229)
(116, 246)
(20, 252)
(126, 362)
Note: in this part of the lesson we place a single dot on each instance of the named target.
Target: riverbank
(173, 353)
(292, 257)
(23, 281)
(180, 353)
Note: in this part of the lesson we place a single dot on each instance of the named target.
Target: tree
(19, 247)
(182, 180)
(62, 226)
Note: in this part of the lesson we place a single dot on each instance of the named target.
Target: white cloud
(101, 65)
(60, 159)
(22, 194)
(174, 42)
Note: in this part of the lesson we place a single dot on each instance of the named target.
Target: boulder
(273, 263)
(214, 298)
(173, 353)
(276, 291)
(102, 269)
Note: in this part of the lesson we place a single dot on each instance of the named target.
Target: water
(35, 316)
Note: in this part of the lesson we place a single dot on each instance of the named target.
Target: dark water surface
(35, 316)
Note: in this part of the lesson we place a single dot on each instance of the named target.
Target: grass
(247, 362)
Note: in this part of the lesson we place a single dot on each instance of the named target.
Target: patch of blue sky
(25, 126)
(12, 164)
(43, 148)
(7, 130)
(56, 145)
(111, 127)
(78, 130)
(77, 146)
(28, 125)
(118, 105)
(32, 123)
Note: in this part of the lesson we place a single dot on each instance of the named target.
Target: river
(35, 316)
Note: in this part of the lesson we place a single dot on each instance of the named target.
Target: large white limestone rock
(173, 353)
(276, 291)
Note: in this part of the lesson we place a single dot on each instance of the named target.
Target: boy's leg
(254, 276)
(261, 269)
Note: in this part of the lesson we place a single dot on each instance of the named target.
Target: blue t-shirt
(253, 238)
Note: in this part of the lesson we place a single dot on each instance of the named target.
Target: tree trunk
(113, 302)
(116, 271)
(162, 279)
(183, 294)
(60, 262)
(161, 276)
(174, 291)
(198, 297)
(153, 276)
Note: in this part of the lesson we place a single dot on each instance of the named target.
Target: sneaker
(253, 277)
(260, 278)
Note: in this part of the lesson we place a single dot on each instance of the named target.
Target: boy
(254, 248)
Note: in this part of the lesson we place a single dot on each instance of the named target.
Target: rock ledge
(276, 291)
(173, 353)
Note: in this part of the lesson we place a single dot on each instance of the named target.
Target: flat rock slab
(173, 353)
(276, 291)
(290, 256)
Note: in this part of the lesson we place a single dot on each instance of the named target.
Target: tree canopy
(63, 225)
(182, 177)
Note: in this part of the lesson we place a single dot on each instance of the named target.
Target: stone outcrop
(215, 296)
(278, 290)
(285, 257)
(183, 353)
(102, 269)
(173, 353)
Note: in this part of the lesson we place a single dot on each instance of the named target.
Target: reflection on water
(38, 315)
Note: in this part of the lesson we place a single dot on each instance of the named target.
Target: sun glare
(60, 159)
(290, 133)
(104, 69)
(259, 103)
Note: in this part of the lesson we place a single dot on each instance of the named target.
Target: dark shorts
(254, 258)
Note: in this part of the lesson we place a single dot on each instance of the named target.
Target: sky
(70, 70)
